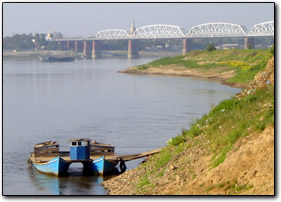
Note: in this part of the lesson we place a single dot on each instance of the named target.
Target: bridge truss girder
(112, 34)
(217, 29)
(159, 31)
(263, 29)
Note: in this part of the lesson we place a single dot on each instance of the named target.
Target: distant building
(132, 29)
(49, 37)
(55, 35)
(228, 46)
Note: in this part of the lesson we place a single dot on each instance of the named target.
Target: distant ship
(56, 59)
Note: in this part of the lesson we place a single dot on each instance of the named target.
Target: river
(89, 98)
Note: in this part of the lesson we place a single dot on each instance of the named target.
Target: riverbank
(173, 70)
(231, 67)
(229, 151)
(106, 53)
(34, 53)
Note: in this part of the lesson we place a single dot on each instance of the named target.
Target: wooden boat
(102, 165)
(57, 166)
(47, 159)
(98, 159)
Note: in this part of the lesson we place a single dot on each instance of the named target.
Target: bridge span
(92, 46)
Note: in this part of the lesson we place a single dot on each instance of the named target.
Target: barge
(56, 59)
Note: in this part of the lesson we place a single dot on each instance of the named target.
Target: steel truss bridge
(162, 31)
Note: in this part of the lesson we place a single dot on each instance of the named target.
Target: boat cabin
(80, 149)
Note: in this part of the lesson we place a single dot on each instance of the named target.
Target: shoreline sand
(171, 71)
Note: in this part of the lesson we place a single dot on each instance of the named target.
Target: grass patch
(230, 120)
(163, 159)
(144, 185)
(226, 128)
(230, 188)
(143, 67)
(246, 63)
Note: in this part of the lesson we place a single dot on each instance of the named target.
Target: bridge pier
(87, 50)
(75, 46)
(96, 51)
(132, 49)
(249, 43)
(62, 45)
(67, 44)
(186, 44)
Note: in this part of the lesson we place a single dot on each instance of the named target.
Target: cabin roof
(80, 139)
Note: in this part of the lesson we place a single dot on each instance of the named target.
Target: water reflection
(74, 183)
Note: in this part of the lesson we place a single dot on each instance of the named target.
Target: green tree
(18, 41)
(272, 50)
(210, 47)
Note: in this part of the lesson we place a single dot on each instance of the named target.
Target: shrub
(210, 47)
(176, 141)
(271, 50)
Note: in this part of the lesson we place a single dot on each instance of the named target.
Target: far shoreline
(105, 54)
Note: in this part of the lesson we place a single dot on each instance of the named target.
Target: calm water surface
(88, 98)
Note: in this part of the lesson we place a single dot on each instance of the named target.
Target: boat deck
(111, 157)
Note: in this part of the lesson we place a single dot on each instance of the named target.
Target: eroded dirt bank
(248, 167)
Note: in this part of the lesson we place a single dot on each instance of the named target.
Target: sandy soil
(249, 167)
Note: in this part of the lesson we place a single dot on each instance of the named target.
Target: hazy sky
(86, 19)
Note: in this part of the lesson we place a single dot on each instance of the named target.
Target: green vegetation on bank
(216, 132)
(245, 63)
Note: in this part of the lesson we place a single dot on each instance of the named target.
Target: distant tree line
(28, 41)
(18, 41)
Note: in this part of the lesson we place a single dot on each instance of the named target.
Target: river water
(88, 98)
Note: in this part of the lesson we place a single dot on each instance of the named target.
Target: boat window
(84, 143)
(73, 143)
(79, 143)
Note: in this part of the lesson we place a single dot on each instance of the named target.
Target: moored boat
(56, 166)
(46, 159)
(101, 166)
(98, 159)
(56, 59)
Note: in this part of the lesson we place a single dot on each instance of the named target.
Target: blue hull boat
(56, 166)
(100, 166)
